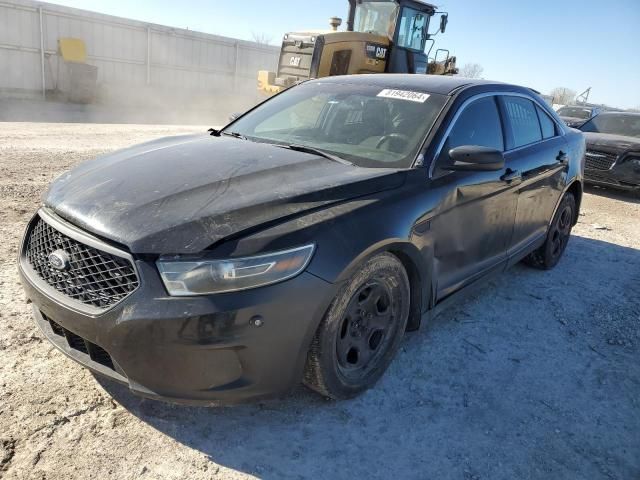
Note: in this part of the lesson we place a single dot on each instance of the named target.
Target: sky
(541, 44)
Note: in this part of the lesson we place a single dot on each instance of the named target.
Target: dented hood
(182, 194)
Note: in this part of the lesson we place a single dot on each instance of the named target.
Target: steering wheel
(390, 136)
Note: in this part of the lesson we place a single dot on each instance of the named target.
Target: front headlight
(187, 276)
(634, 160)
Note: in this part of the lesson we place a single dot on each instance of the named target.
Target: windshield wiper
(234, 135)
(316, 151)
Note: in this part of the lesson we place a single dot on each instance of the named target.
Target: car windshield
(621, 124)
(366, 125)
(377, 17)
(575, 112)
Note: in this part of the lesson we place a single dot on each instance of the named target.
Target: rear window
(575, 112)
(547, 125)
(523, 119)
(616, 124)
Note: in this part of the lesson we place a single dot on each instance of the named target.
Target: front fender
(347, 234)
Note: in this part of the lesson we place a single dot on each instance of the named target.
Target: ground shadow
(504, 385)
(614, 194)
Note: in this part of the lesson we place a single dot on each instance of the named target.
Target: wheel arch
(414, 264)
(576, 189)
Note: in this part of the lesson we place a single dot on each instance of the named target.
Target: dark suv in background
(576, 115)
(613, 150)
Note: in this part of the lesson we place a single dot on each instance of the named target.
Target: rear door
(536, 155)
(474, 225)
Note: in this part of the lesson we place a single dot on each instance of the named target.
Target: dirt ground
(537, 376)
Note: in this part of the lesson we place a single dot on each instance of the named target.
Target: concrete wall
(135, 60)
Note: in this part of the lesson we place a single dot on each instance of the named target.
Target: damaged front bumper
(224, 348)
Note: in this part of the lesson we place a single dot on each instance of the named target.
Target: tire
(547, 256)
(361, 331)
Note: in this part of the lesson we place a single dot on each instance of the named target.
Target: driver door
(475, 222)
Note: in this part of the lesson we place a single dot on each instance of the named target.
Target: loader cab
(406, 24)
(382, 36)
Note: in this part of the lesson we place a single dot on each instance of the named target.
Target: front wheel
(361, 331)
(547, 256)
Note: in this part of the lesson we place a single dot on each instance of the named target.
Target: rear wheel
(548, 255)
(361, 331)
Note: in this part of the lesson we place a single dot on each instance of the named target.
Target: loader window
(376, 17)
(412, 32)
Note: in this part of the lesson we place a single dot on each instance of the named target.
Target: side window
(523, 119)
(546, 124)
(478, 124)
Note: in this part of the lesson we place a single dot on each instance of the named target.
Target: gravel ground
(537, 376)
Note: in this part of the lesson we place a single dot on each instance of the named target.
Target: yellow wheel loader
(382, 36)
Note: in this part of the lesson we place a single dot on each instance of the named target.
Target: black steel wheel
(361, 331)
(548, 255)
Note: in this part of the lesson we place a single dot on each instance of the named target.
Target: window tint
(547, 125)
(478, 124)
(525, 128)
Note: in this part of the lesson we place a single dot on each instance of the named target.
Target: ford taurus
(301, 241)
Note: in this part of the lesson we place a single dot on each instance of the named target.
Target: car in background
(301, 241)
(576, 115)
(613, 150)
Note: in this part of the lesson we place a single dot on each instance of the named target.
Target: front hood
(611, 143)
(182, 194)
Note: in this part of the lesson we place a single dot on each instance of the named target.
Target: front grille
(76, 342)
(595, 160)
(91, 276)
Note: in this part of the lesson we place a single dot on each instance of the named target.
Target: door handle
(511, 175)
(562, 157)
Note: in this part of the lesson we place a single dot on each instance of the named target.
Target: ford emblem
(59, 260)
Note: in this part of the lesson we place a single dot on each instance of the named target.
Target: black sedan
(613, 150)
(301, 241)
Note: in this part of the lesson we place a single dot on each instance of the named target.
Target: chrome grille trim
(99, 275)
(596, 160)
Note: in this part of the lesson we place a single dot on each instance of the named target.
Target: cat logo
(379, 52)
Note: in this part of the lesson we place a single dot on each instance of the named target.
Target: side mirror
(475, 158)
(444, 19)
(233, 116)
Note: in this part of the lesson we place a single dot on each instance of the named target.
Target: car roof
(442, 84)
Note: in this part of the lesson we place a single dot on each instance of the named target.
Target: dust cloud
(115, 104)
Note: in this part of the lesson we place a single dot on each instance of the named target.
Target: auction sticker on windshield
(404, 95)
